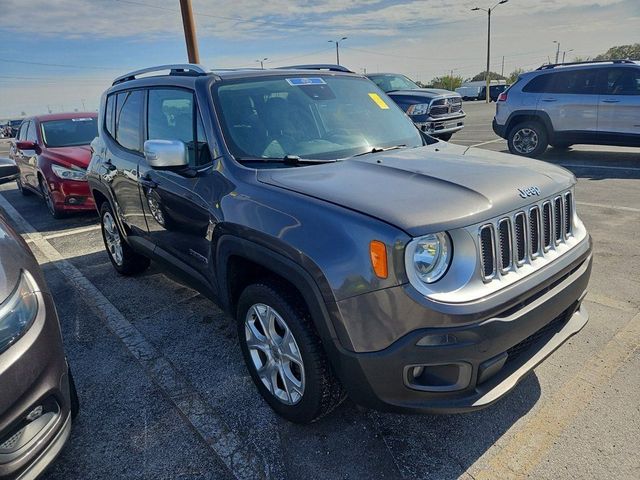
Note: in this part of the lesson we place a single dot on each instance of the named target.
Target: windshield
(390, 82)
(313, 117)
(69, 132)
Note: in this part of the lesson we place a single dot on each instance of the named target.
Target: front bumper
(71, 195)
(34, 377)
(440, 126)
(469, 366)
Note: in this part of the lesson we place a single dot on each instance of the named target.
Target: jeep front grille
(510, 241)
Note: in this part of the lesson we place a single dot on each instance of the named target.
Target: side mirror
(165, 153)
(8, 170)
(26, 145)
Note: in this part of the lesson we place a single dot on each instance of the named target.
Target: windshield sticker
(83, 119)
(297, 82)
(376, 98)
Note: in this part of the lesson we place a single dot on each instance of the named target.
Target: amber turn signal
(378, 253)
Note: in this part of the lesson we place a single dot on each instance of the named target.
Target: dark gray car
(359, 256)
(37, 395)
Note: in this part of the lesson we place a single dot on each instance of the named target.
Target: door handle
(610, 100)
(549, 99)
(147, 182)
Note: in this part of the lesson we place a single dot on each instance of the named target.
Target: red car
(52, 152)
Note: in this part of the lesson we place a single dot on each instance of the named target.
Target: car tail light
(502, 97)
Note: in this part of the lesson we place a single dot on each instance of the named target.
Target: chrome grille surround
(543, 228)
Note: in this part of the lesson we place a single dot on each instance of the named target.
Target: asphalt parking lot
(165, 395)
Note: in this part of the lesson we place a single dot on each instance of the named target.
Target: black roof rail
(317, 66)
(587, 62)
(174, 69)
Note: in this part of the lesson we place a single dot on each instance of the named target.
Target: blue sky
(68, 51)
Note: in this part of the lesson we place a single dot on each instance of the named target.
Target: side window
(31, 132)
(109, 114)
(623, 81)
(22, 134)
(576, 82)
(172, 115)
(128, 116)
(539, 84)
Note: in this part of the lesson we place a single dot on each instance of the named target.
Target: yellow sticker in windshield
(376, 98)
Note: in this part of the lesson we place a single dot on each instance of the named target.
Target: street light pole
(337, 42)
(261, 62)
(488, 10)
(557, 50)
(565, 52)
(189, 25)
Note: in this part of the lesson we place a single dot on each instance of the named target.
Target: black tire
(74, 405)
(128, 262)
(322, 390)
(445, 137)
(48, 200)
(528, 139)
(24, 191)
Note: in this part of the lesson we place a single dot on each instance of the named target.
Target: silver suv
(595, 103)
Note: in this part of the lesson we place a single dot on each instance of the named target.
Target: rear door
(571, 101)
(619, 104)
(17, 154)
(124, 155)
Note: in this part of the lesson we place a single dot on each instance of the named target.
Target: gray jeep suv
(358, 255)
(595, 103)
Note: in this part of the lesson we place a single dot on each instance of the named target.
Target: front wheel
(528, 139)
(48, 199)
(284, 355)
(123, 258)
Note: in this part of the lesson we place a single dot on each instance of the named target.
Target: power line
(43, 64)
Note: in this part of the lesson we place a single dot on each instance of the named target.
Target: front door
(178, 202)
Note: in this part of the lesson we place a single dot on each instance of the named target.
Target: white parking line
(235, 450)
(70, 231)
(613, 207)
(604, 167)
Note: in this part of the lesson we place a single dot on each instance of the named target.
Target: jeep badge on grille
(529, 191)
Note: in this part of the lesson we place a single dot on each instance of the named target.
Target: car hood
(70, 156)
(14, 257)
(427, 189)
(422, 93)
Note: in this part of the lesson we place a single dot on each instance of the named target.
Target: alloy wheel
(275, 354)
(525, 140)
(112, 238)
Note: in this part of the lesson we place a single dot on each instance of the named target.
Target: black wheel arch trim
(539, 115)
(312, 285)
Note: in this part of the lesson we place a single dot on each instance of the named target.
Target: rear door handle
(549, 99)
(610, 100)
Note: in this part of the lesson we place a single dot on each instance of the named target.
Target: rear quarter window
(538, 84)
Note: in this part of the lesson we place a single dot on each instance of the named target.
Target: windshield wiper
(287, 159)
(380, 149)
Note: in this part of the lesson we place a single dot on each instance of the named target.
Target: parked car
(494, 92)
(11, 128)
(435, 111)
(596, 103)
(52, 152)
(476, 90)
(357, 255)
(37, 394)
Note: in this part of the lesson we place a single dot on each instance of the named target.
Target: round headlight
(431, 256)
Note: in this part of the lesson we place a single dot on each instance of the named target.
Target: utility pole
(84, 109)
(557, 50)
(451, 81)
(488, 10)
(337, 42)
(189, 25)
(502, 73)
